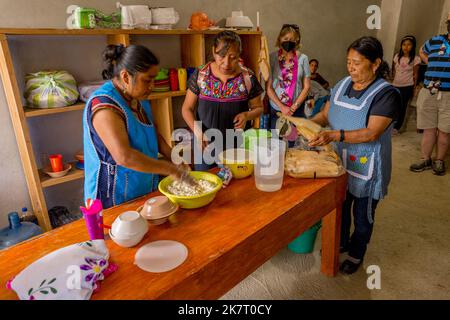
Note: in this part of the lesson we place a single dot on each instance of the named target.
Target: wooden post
(21, 131)
(162, 114)
(331, 230)
(251, 46)
(119, 39)
(192, 50)
(331, 234)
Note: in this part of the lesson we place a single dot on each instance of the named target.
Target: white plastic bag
(165, 16)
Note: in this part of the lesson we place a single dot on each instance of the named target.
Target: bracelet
(342, 137)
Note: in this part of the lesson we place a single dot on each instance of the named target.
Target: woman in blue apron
(121, 144)
(360, 113)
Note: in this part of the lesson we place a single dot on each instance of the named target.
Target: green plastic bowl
(192, 202)
(252, 135)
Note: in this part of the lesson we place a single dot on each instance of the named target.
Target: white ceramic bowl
(128, 225)
(127, 242)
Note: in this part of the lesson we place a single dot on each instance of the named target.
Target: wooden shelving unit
(162, 95)
(29, 113)
(192, 53)
(73, 174)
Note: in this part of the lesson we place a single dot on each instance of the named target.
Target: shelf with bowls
(73, 174)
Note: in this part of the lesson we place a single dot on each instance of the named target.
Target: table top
(227, 240)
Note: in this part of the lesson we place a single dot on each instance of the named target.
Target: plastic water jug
(269, 163)
(17, 231)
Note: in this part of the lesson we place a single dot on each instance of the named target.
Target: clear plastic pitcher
(269, 163)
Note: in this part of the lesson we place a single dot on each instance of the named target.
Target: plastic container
(182, 79)
(190, 71)
(173, 79)
(252, 135)
(56, 162)
(192, 202)
(264, 122)
(305, 242)
(17, 231)
(269, 163)
(28, 216)
(93, 216)
(240, 162)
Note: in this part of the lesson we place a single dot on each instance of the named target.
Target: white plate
(161, 256)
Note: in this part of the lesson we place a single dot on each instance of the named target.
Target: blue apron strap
(110, 171)
(370, 200)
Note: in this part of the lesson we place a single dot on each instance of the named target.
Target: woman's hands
(285, 110)
(324, 137)
(180, 170)
(240, 120)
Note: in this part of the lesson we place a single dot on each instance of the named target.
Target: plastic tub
(305, 242)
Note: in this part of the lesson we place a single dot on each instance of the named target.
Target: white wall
(420, 18)
(427, 12)
(390, 19)
(445, 12)
(328, 27)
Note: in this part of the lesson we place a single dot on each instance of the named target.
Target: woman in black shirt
(227, 93)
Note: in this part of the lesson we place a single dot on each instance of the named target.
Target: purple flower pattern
(96, 267)
(285, 78)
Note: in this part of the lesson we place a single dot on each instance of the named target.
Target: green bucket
(253, 134)
(305, 242)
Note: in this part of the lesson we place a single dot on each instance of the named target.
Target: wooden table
(227, 240)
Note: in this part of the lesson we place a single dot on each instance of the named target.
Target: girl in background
(405, 71)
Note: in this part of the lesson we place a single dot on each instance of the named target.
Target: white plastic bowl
(127, 242)
(129, 225)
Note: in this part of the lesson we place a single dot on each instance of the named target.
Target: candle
(257, 20)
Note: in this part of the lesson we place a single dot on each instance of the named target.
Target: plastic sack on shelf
(89, 18)
(135, 16)
(87, 88)
(165, 16)
(50, 89)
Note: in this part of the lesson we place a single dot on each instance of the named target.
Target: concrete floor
(410, 244)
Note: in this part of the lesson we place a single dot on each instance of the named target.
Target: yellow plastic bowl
(192, 202)
(239, 161)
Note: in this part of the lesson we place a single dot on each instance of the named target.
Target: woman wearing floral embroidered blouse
(289, 83)
(227, 93)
